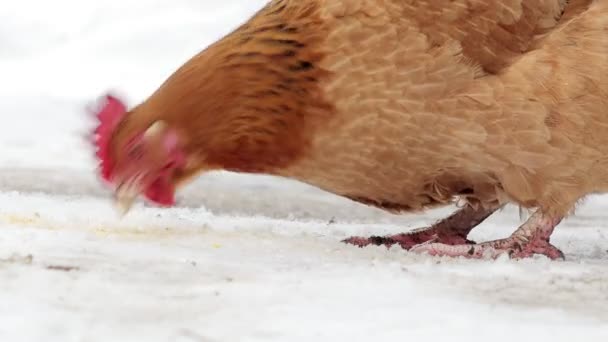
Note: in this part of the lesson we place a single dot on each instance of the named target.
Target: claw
(452, 230)
(531, 238)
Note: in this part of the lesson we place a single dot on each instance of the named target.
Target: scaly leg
(530, 238)
(452, 230)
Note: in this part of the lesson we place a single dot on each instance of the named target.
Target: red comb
(109, 116)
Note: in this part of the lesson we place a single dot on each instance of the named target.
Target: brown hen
(400, 104)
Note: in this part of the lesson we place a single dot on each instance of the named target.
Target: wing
(491, 32)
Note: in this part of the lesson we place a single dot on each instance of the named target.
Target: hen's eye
(136, 152)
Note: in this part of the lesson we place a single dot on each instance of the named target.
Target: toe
(357, 241)
(373, 240)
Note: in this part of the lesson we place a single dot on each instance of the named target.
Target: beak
(125, 197)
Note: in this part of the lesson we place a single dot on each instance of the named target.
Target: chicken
(404, 105)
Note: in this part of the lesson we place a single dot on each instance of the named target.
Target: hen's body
(419, 121)
(407, 104)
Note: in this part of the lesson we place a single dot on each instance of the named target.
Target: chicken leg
(530, 238)
(452, 230)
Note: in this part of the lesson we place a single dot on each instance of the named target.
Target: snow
(241, 258)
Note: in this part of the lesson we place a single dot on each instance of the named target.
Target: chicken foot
(530, 238)
(452, 230)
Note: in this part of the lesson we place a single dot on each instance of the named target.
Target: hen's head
(137, 160)
(250, 102)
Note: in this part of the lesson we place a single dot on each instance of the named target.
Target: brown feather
(404, 104)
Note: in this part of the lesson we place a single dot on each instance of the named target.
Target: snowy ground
(241, 258)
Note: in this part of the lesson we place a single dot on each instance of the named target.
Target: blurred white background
(241, 258)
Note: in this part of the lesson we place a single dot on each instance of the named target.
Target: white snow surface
(241, 258)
